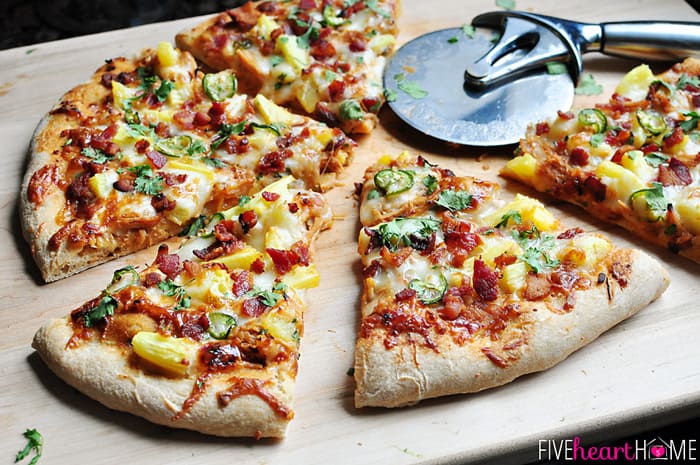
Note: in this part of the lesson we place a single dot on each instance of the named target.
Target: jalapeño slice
(215, 219)
(652, 122)
(220, 86)
(594, 118)
(174, 146)
(123, 278)
(220, 324)
(431, 289)
(393, 181)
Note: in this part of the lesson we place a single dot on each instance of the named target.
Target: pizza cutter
(484, 86)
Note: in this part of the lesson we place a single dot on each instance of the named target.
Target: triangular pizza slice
(464, 291)
(205, 338)
(323, 57)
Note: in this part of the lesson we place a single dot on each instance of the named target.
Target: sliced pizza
(325, 58)
(633, 161)
(463, 291)
(131, 157)
(206, 338)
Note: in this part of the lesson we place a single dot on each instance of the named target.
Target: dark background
(25, 22)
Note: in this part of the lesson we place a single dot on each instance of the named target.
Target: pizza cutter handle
(650, 40)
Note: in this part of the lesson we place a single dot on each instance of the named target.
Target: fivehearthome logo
(634, 451)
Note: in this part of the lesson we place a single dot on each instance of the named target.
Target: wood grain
(642, 373)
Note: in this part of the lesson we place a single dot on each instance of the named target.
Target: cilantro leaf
(145, 182)
(690, 124)
(468, 30)
(431, 183)
(588, 86)
(35, 441)
(685, 81)
(373, 5)
(276, 60)
(654, 198)
(171, 289)
(511, 215)
(452, 40)
(163, 90)
(312, 33)
(654, 159)
(136, 129)
(97, 155)
(373, 194)
(196, 147)
(535, 247)
(244, 200)
(411, 88)
(193, 227)
(454, 200)
(225, 131)
(390, 95)
(555, 67)
(597, 139)
(411, 232)
(506, 4)
(267, 298)
(350, 109)
(105, 308)
(213, 162)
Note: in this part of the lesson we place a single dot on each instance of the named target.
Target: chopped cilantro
(685, 81)
(506, 4)
(225, 131)
(145, 182)
(511, 215)
(452, 40)
(654, 198)
(359, 60)
(171, 289)
(267, 298)
(104, 309)
(588, 86)
(663, 84)
(654, 159)
(137, 130)
(597, 139)
(311, 33)
(468, 30)
(30, 51)
(276, 60)
(535, 247)
(411, 232)
(373, 194)
(373, 5)
(350, 109)
(411, 88)
(690, 124)
(555, 67)
(194, 227)
(390, 95)
(329, 75)
(35, 442)
(213, 162)
(454, 200)
(196, 147)
(163, 90)
(97, 155)
(244, 200)
(431, 183)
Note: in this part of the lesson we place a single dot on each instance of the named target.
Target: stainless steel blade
(454, 113)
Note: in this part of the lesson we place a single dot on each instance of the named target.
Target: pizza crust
(103, 373)
(410, 373)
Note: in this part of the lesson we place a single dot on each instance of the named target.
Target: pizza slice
(206, 338)
(633, 161)
(464, 291)
(325, 58)
(147, 145)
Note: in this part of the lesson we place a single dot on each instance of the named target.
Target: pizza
(149, 144)
(464, 291)
(324, 58)
(633, 161)
(205, 338)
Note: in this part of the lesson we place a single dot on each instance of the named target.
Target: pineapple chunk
(381, 43)
(521, 167)
(265, 26)
(101, 183)
(167, 56)
(122, 95)
(594, 249)
(621, 180)
(169, 353)
(494, 247)
(635, 84)
(279, 238)
(156, 116)
(302, 277)
(241, 259)
(271, 112)
(307, 95)
(262, 139)
(123, 137)
(514, 276)
(688, 208)
(191, 165)
(293, 54)
(385, 160)
(635, 162)
(279, 327)
(324, 136)
(530, 210)
(213, 284)
(261, 206)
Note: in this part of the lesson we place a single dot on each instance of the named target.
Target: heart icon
(657, 451)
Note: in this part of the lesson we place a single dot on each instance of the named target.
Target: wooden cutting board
(642, 373)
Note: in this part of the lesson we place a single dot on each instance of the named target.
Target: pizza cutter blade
(485, 88)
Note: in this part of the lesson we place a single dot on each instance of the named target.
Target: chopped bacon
(371, 104)
(619, 137)
(106, 79)
(218, 356)
(41, 183)
(248, 220)
(565, 115)
(352, 9)
(253, 307)
(201, 119)
(162, 130)
(648, 148)
(169, 264)
(158, 159)
(336, 90)
(675, 138)
(285, 260)
(485, 281)
(371, 270)
(302, 252)
(103, 140)
(293, 207)
(267, 7)
(357, 43)
(217, 113)
(151, 279)
(461, 241)
(142, 145)
(270, 196)
(162, 203)
(236, 145)
(192, 268)
(299, 26)
(325, 114)
(307, 4)
(258, 266)
(80, 194)
(244, 17)
(541, 128)
(537, 286)
(242, 283)
(453, 304)
(224, 231)
(504, 260)
(579, 156)
(395, 259)
(273, 162)
(676, 174)
(218, 249)
(595, 187)
(570, 233)
(405, 294)
(185, 119)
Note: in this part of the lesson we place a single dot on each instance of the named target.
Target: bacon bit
(537, 286)
(293, 207)
(78, 315)
(357, 42)
(162, 130)
(142, 145)
(103, 140)
(371, 270)
(219, 356)
(675, 138)
(169, 264)
(495, 359)
(285, 260)
(621, 273)
(352, 9)
(151, 279)
(201, 119)
(570, 233)
(302, 252)
(270, 196)
(676, 174)
(249, 386)
(453, 304)
(273, 162)
(244, 17)
(325, 114)
(395, 259)
(336, 90)
(322, 50)
(194, 329)
(192, 268)
(218, 249)
(80, 194)
(405, 294)
(395, 324)
(565, 115)
(106, 79)
(485, 281)
(171, 179)
(157, 159)
(620, 137)
(541, 128)
(242, 283)
(504, 260)
(595, 187)
(258, 266)
(217, 113)
(648, 148)
(161, 203)
(253, 307)
(185, 119)
(307, 5)
(41, 183)
(579, 156)
(223, 231)
(248, 220)
(461, 242)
